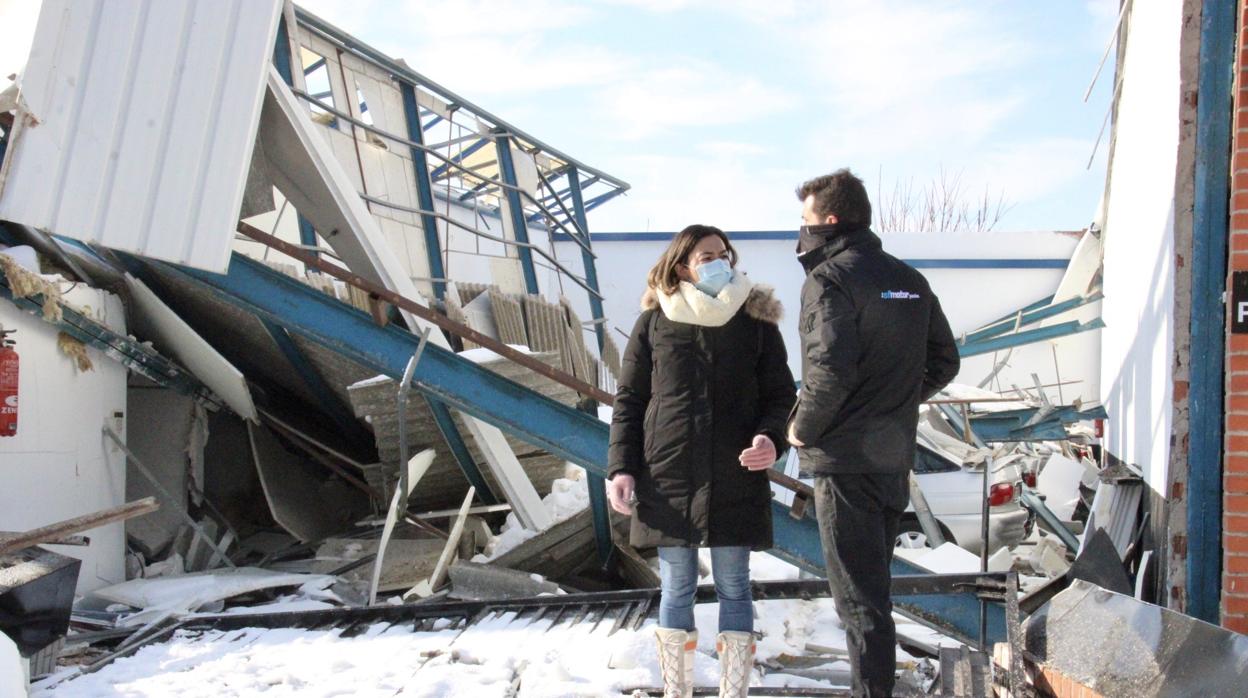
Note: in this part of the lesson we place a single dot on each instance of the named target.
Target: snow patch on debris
(185, 593)
(481, 355)
(568, 497)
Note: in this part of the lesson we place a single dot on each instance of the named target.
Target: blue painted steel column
(597, 484)
(283, 61)
(507, 171)
(1208, 334)
(591, 270)
(424, 190)
(463, 457)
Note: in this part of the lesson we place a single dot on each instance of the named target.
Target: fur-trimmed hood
(692, 306)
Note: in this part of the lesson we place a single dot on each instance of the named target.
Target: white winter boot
(676, 650)
(736, 661)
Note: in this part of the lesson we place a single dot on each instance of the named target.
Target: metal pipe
(501, 240)
(173, 501)
(983, 555)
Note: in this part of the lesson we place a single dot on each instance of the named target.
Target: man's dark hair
(839, 194)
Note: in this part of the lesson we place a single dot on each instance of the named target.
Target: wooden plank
(78, 524)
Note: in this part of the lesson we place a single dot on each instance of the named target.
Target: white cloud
(697, 94)
(728, 190)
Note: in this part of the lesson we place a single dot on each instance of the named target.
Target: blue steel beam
(1028, 337)
(596, 482)
(1209, 236)
(327, 401)
(459, 449)
(520, 226)
(441, 169)
(1012, 425)
(127, 351)
(798, 543)
(424, 189)
(587, 257)
(1029, 317)
(463, 385)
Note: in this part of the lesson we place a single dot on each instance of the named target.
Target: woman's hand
(759, 456)
(620, 493)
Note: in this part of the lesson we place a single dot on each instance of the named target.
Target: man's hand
(760, 455)
(620, 493)
(793, 437)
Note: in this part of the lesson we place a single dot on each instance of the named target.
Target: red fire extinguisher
(8, 384)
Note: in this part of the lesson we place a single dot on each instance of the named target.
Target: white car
(953, 493)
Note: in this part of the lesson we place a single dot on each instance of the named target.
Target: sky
(714, 110)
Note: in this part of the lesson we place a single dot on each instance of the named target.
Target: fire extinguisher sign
(8, 385)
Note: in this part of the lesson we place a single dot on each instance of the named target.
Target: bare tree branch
(943, 205)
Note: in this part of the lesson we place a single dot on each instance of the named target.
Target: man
(875, 344)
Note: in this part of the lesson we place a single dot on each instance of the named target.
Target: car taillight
(1029, 479)
(1001, 493)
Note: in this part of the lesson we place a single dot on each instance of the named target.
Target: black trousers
(859, 516)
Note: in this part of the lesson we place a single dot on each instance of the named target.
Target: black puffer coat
(690, 399)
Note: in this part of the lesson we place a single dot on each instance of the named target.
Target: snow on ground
(497, 657)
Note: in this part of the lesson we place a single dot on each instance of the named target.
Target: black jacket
(875, 344)
(690, 398)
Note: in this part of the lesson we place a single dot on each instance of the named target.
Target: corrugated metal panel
(138, 121)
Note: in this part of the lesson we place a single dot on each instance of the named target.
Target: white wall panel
(138, 121)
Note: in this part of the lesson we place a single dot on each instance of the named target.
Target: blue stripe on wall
(791, 235)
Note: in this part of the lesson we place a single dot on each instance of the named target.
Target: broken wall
(59, 464)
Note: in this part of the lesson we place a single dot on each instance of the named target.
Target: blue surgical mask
(713, 276)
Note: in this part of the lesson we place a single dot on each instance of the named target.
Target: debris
(554, 553)
(1115, 508)
(1048, 557)
(1099, 564)
(475, 581)
(964, 673)
(1059, 482)
(428, 586)
(36, 596)
(298, 499)
(417, 466)
(407, 561)
(193, 592)
(1115, 645)
(53, 532)
(75, 350)
(24, 283)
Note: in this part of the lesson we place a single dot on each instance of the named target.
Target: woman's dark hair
(839, 194)
(663, 275)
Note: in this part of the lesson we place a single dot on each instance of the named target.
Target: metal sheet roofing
(137, 122)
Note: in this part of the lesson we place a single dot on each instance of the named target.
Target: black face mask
(810, 237)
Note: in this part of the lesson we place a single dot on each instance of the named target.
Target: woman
(703, 396)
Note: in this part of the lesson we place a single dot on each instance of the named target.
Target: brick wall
(1235, 471)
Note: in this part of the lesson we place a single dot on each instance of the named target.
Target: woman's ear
(683, 273)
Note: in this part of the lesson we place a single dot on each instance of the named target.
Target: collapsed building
(344, 325)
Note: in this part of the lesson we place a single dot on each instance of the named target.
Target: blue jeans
(678, 572)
